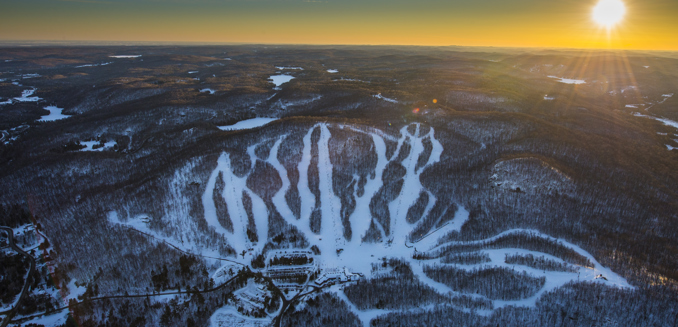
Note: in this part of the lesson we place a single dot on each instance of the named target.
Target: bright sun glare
(609, 12)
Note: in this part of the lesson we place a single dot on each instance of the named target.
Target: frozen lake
(125, 56)
(54, 114)
(280, 79)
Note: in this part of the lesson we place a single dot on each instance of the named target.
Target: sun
(609, 12)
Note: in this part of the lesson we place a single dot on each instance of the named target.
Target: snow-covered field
(247, 124)
(332, 71)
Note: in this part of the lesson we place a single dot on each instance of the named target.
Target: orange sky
(649, 24)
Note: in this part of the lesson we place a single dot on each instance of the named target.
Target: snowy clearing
(288, 67)
(89, 145)
(568, 80)
(247, 124)
(670, 147)
(548, 98)
(332, 71)
(379, 96)
(94, 65)
(125, 56)
(55, 320)
(26, 96)
(210, 91)
(193, 72)
(230, 317)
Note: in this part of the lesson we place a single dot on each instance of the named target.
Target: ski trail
(331, 227)
(231, 194)
(364, 316)
(360, 218)
(612, 278)
(410, 191)
(307, 197)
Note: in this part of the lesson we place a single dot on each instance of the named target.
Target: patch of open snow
(670, 147)
(568, 81)
(230, 317)
(280, 79)
(286, 67)
(94, 65)
(634, 106)
(350, 80)
(210, 91)
(125, 56)
(247, 124)
(646, 66)
(332, 71)
(54, 114)
(667, 95)
(74, 291)
(547, 97)
(193, 72)
(379, 96)
(54, 320)
(90, 144)
(26, 96)
(25, 76)
(667, 122)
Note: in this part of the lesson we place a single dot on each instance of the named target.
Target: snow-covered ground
(665, 121)
(94, 65)
(26, 96)
(280, 79)
(90, 144)
(332, 71)
(568, 80)
(288, 67)
(230, 317)
(54, 114)
(54, 320)
(548, 98)
(210, 91)
(379, 96)
(247, 124)
(125, 56)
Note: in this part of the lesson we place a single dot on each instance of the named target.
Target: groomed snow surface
(247, 124)
(355, 256)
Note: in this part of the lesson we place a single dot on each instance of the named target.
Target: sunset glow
(521, 23)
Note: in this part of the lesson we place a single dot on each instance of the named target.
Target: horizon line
(38, 43)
